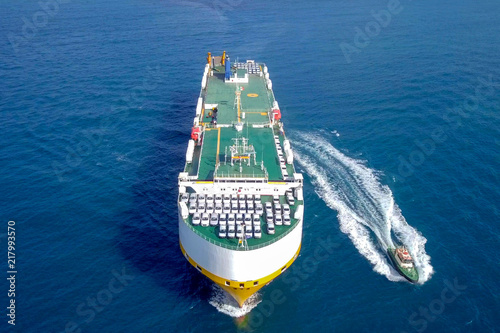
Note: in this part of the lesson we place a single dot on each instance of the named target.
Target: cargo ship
(240, 202)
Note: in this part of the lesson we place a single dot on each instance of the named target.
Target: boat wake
(365, 207)
(224, 303)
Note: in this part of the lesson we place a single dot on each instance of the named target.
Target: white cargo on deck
(190, 151)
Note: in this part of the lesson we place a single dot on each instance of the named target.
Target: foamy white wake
(224, 303)
(365, 207)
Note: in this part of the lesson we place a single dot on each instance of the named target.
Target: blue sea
(392, 108)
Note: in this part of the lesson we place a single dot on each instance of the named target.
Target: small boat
(403, 263)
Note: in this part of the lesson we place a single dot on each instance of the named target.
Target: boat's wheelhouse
(404, 259)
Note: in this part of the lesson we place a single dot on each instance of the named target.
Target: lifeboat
(276, 114)
(196, 133)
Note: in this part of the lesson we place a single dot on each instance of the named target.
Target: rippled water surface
(393, 112)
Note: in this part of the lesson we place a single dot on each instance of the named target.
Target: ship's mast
(243, 239)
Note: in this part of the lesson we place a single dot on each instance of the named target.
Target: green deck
(212, 154)
(258, 137)
(223, 94)
(255, 106)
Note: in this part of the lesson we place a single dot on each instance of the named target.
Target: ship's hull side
(238, 293)
(240, 273)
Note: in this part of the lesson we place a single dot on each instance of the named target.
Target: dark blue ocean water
(395, 124)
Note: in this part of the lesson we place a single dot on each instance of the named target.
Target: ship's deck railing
(261, 124)
(239, 247)
(218, 125)
(222, 175)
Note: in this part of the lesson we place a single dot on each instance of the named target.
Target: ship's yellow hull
(240, 290)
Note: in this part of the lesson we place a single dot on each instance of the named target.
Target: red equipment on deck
(196, 133)
(276, 114)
